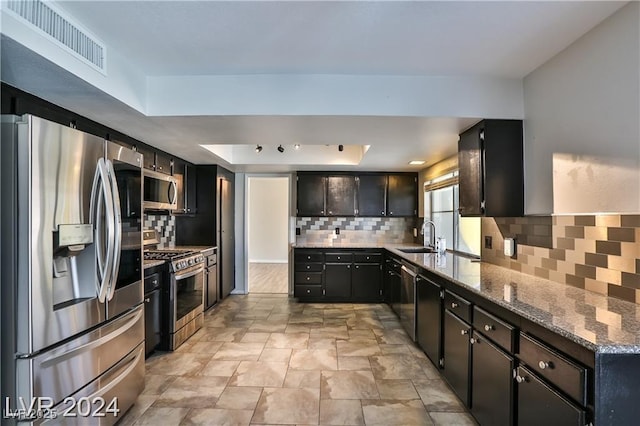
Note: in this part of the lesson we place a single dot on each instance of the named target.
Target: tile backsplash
(355, 230)
(600, 253)
(166, 227)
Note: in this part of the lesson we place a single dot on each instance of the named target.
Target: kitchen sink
(417, 250)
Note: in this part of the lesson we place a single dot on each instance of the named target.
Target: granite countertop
(151, 263)
(600, 323)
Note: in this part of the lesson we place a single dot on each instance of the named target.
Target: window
(441, 206)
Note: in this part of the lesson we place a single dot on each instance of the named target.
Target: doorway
(268, 234)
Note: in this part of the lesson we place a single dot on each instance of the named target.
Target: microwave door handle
(117, 220)
(173, 188)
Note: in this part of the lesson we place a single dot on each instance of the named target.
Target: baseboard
(268, 261)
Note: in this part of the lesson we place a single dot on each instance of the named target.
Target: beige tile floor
(265, 359)
(268, 277)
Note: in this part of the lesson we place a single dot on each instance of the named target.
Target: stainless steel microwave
(160, 191)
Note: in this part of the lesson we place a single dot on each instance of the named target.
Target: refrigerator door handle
(103, 204)
(117, 220)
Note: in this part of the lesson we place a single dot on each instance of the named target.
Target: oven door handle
(178, 277)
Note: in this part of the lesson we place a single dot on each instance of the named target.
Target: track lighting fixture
(280, 148)
(258, 148)
(340, 148)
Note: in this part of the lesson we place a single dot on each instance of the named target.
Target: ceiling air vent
(51, 22)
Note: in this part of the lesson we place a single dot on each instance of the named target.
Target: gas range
(179, 259)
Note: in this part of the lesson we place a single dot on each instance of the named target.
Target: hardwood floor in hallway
(266, 359)
(268, 278)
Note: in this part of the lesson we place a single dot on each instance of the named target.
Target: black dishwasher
(152, 327)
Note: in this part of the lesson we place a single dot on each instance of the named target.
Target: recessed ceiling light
(416, 162)
(281, 148)
(296, 146)
(340, 148)
(258, 148)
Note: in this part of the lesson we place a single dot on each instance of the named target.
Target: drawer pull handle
(521, 379)
(488, 327)
(464, 332)
(544, 365)
(308, 257)
(473, 340)
(368, 257)
(454, 305)
(308, 267)
(308, 278)
(308, 291)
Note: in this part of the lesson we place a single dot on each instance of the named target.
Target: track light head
(258, 148)
(280, 148)
(340, 148)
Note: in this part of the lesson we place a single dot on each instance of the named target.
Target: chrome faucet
(432, 237)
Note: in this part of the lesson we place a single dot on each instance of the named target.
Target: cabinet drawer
(212, 260)
(338, 257)
(500, 332)
(308, 267)
(567, 375)
(367, 257)
(308, 278)
(309, 257)
(308, 291)
(458, 305)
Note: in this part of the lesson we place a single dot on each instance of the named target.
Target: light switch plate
(509, 247)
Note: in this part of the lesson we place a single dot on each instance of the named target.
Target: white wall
(582, 126)
(268, 219)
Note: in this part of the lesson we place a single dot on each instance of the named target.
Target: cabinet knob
(348, 266)
(147, 300)
(308, 291)
(308, 257)
(488, 327)
(454, 305)
(464, 332)
(382, 212)
(521, 379)
(330, 212)
(544, 365)
(390, 213)
(367, 257)
(338, 256)
(357, 267)
(473, 340)
(322, 211)
(308, 278)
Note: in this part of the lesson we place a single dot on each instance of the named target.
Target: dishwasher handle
(408, 271)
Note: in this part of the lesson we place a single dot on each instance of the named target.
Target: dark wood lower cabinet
(366, 282)
(337, 280)
(457, 355)
(539, 404)
(429, 334)
(492, 384)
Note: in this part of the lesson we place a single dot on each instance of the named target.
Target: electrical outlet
(298, 231)
(337, 231)
(488, 242)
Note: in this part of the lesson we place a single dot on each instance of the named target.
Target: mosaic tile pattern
(166, 227)
(354, 230)
(600, 253)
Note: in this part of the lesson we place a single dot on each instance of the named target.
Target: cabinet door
(190, 189)
(211, 286)
(149, 157)
(151, 321)
(492, 392)
(310, 195)
(539, 404)
(366, 282)
(185, 179)
(337, 280)
(457, 352)
(470, 175)
(226, 246)
(341, 196)
(402, 195)
(372, 195)
(429, 319)
(163, 164)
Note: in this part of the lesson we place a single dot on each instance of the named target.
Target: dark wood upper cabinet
(402, 195)
(341, 196)
(163, 164)
(372, 195)
(311, 195)
(490, 158)
(186, 182)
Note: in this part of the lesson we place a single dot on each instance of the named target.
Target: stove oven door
(187, 293)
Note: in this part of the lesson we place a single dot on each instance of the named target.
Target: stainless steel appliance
(160, 191)
(72, 317)
(408, 300)
(185, 298)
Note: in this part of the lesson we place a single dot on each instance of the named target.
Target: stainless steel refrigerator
(72, 320)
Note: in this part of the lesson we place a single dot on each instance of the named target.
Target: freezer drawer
(60, 372)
